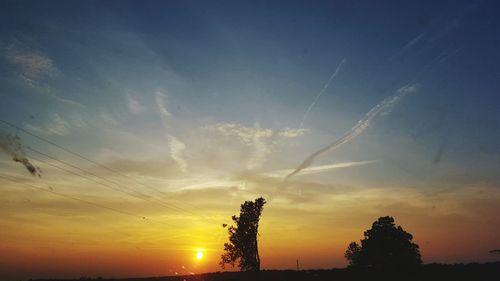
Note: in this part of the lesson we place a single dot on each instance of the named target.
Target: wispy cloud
(55, 125)
(321, 92)
(36, 69)
(248, 134)
(176, 152)
(106, 117)
(414, 40)
(206, 183)
(262, 140)
(243, 133)
(160, 99)
(262, 150)
(409, 44)
(32, 65)
(291, 132)
(383, 107)
(134, 106)
(318, 169)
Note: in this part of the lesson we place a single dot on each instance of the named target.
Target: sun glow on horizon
(199, 254)
(130, 143)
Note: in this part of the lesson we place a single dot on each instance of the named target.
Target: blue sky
(209, 95)
(263, 63)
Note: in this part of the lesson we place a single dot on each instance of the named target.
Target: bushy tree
(352, 253)
(242, 246)
(383, 246)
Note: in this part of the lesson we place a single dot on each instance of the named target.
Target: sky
(147, 123)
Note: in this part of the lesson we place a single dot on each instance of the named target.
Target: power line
(140, 194)
(141, 217)
(136, 195)
(60, 147)
(78, 199)
(93, 162)
(119, 211)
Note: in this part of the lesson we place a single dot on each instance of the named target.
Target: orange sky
(152, 121)
(45, 235)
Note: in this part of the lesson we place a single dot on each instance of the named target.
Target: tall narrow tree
(243, 247)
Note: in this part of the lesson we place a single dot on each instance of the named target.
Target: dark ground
(476, 272)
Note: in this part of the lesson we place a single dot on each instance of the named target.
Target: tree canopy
(242, 246)
(384, 245)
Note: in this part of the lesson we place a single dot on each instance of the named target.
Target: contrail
(318, 169)
(381, 108)
(410, 43)
(12, 146)
(321, 92)
(441, 148)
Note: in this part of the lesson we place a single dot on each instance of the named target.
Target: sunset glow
(132, 131)
(199, 255)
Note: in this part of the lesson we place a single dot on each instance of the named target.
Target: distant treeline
(441, 272)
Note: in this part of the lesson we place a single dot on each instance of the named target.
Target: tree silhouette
(384, 245)
(352, 253)
(242, 246)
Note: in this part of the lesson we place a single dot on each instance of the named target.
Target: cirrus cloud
(31, 64)
(263, 141)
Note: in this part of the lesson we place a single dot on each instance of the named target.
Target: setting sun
(199, 255)
(190, 140)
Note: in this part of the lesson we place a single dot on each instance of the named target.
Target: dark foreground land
(442, 272)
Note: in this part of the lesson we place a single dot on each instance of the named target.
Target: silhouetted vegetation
(473, 272)
(243, 246)
(386, 253)
(384, 246)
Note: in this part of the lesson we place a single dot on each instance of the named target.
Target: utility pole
(298, 268)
